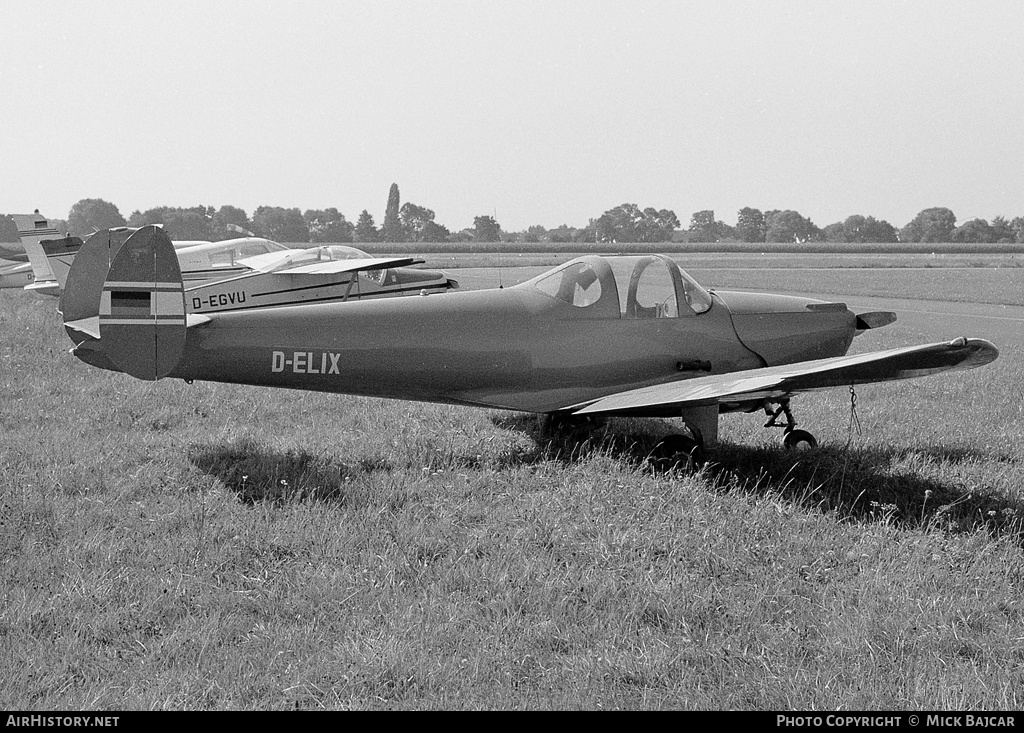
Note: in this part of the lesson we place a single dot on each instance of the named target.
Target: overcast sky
(538, 112)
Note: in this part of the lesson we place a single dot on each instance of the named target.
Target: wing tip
(981, 351)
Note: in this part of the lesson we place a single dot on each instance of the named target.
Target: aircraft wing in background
(320, 261)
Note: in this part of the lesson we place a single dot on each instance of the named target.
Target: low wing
(299, 263)
(778, 382)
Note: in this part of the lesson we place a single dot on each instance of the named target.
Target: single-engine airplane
(242, 273)
(597, 336)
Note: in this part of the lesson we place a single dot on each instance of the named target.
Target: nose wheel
(791, 437)
(799, 440)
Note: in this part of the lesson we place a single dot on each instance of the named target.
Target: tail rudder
(60, 254)
(142, 320)
(33, 229)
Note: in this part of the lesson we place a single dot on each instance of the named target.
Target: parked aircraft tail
(33, 229)
(60, 253)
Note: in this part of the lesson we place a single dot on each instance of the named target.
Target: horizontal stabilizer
(874, 319)
(90, 327)
(87, 327)
(777, 382)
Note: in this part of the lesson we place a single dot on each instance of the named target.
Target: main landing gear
(680, 452)
(570, 428)
(791, 437)
(686, 451)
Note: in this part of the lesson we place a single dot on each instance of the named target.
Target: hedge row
(675, 247)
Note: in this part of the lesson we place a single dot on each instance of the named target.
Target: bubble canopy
(625, 286)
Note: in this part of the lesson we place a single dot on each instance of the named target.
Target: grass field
(167, 546)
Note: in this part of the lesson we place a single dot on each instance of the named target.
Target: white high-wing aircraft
(236, 274)
(224, 274)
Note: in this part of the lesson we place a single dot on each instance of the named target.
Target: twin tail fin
(136, 283)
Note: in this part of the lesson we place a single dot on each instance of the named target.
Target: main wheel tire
(678, 452)
(570, 428)
(799, 440)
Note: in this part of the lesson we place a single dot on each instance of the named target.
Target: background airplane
(315, 275)
(52, 253)
(239, 274)
(33, 229)
(598, 336)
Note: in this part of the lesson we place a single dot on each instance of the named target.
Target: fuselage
(582, 331)
(12, 251)
(15, 274)
(510, 349)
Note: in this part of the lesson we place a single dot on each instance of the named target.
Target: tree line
(936, 224)
(406, 222)
(411, 222)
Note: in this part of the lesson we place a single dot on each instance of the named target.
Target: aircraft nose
(784, 329)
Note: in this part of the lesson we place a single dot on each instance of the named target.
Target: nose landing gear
(792, 438)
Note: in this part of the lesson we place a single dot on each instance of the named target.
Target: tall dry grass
(167, 546)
